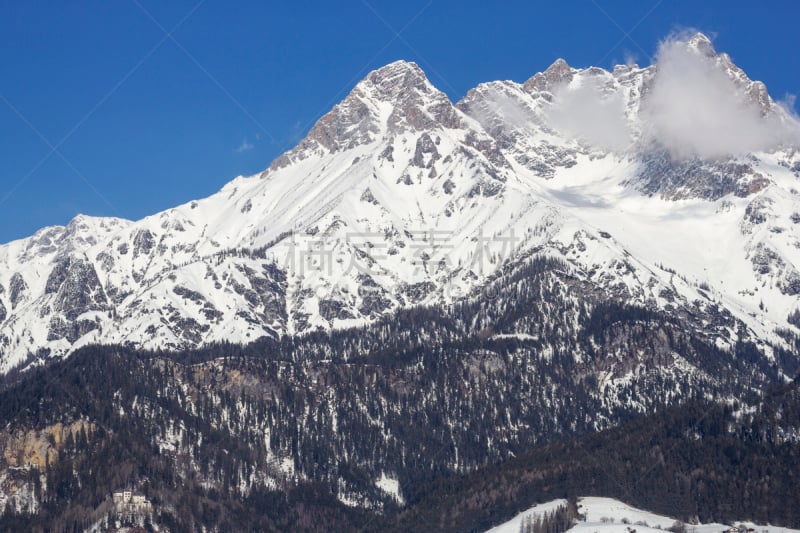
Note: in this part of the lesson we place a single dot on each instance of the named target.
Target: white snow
(390, 486)
(513, 525)
(607, 515)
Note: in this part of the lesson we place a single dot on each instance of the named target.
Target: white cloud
(788, 103)
(695, 109)
(630, 60)
(244, 147)
(588, 112)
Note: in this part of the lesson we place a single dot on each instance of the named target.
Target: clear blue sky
(143, 121)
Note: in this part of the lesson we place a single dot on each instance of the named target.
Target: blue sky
(151, 104)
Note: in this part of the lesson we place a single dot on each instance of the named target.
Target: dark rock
(387, 154)
(556, 74)
(488, 147)
(211, 313)
(187, 328)
(266, 293)
(331, 309)
(143, 243)
(367, 196)
(71, 330)
(764, 260)
(417, 292)
(76, 287)
(790, 285)
(374, 298)
(106, 261)
(755, 212)
(188, 293)
(425, 146)
(17, 288)
(675, 179)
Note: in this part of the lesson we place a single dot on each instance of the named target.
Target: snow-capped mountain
(399, 197)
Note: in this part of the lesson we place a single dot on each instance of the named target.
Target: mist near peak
(695, 108)
(590, 114)
(696, 104)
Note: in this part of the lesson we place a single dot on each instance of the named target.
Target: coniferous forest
(470, 423)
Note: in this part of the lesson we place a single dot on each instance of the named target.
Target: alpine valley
(430, 316)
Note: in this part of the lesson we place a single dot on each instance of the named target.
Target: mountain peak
(359, 119)
(702, 44)
(557, 73)
(391, 81)
(400, 66)
(559, 65)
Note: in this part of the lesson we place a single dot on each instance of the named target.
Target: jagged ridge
(398, 197)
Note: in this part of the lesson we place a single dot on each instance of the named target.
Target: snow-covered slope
(607, 515)
(398, 197)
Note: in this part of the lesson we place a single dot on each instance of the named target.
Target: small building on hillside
(130, 502)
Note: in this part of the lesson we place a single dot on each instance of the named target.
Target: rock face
(38, 448)
(16, 289)
(556, 74)
(399, 197)
(75, 286)
(696, 178)
(401, 89)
